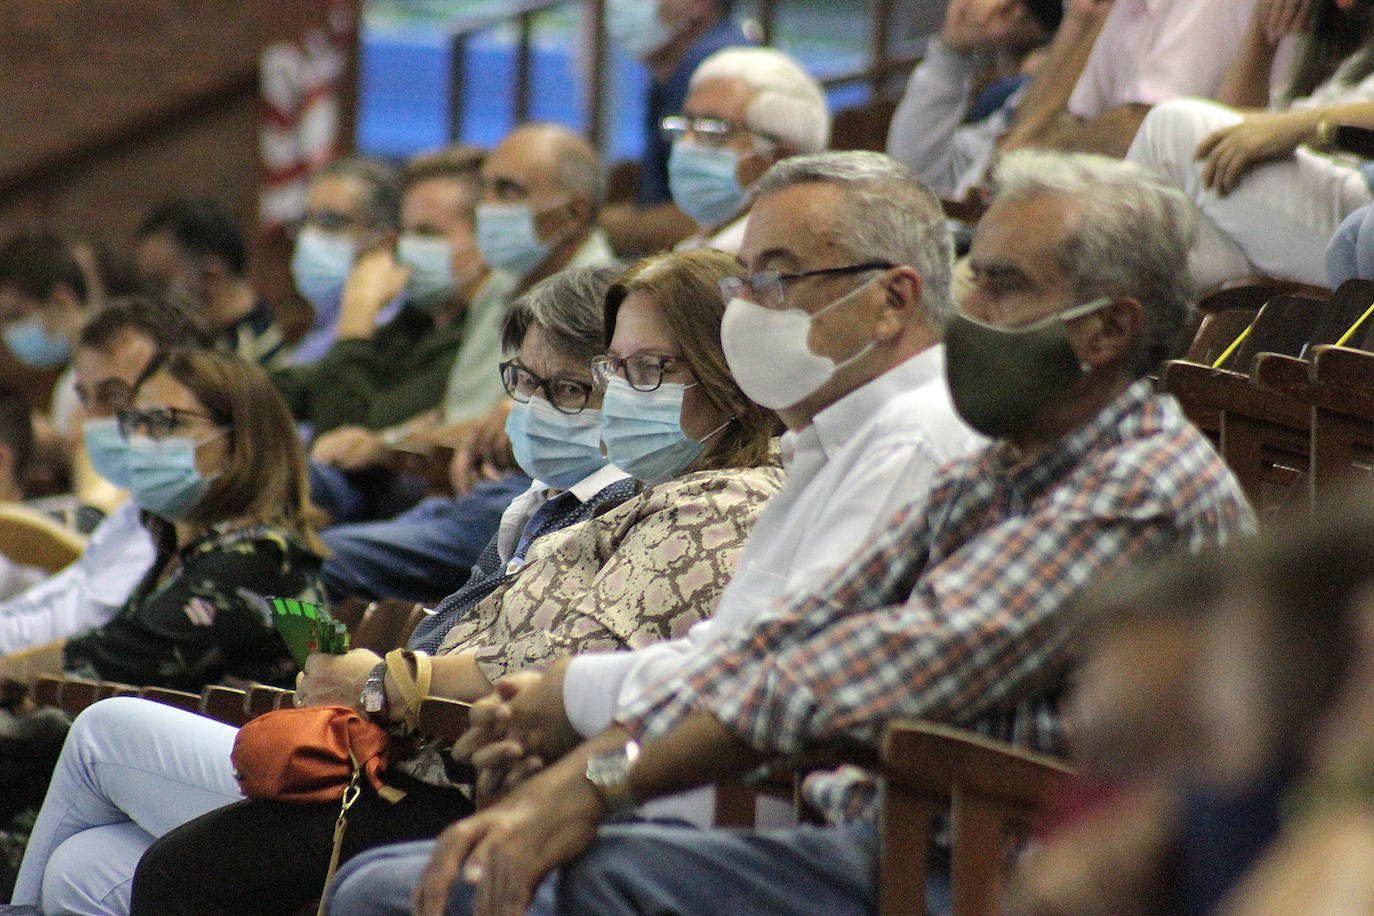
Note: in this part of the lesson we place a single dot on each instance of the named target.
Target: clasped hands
(515, 731)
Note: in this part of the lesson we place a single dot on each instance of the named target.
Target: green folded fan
(307, 628)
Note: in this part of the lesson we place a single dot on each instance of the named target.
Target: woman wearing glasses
(215, 466)
(642, 571)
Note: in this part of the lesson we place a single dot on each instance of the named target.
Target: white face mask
(768, 355)
(635, 27)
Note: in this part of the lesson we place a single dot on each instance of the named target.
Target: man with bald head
(542, 189)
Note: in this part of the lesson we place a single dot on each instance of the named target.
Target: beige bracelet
(413, 688)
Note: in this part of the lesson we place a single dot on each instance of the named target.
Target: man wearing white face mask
(671, 38)
(746, 109)
(836, 325)
(350, 205)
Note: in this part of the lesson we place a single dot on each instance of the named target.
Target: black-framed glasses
(712, 132)
(157, 422)
(106, 397)
(566, 395)
(767, 286)
(644, 371)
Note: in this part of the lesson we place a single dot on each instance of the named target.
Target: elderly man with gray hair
(954, 613)
(746, 109)
(836, 325)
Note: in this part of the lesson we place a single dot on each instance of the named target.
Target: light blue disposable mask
(557, 448)
(634, 27)
(108, 451)
(643, 431)
(33, 346)
(507, 240)
(703, 182)
(163, 478)
(320, 265)
(430, 260)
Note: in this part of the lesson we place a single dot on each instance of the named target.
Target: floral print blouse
(207, 619)
(642, 572)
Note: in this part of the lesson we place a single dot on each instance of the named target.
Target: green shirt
(399, 372)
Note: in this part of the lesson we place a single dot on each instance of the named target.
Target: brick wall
(109, 106)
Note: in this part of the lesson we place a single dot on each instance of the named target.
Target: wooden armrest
(263, 698)
(1220, 389)
(1285, 375)
(442, 718)
(225, 704)
(181, 699)
(936, 758)
(1344, 367)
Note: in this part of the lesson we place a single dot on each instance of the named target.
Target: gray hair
(1132, 237)
(888, 215)
(569, 307)
(381, 203)
(789, 106)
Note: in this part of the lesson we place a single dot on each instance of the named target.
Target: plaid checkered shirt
(957, 614)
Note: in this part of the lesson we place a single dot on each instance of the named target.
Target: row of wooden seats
(992, 791)
(226, 704)
(1289, 405)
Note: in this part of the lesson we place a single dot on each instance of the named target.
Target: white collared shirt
(89, 592)
(523, 507)
(862, 458)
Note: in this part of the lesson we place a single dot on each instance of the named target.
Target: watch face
(603, 767)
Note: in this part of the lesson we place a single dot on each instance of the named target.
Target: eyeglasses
(157, 422)
(564, 394)
(644, 371)
(711, 132)
(107, 397)
(766, 286)
(328, 221)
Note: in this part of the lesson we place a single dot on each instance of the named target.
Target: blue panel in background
(403, 93)
(403, 86)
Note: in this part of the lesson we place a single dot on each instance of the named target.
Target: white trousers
(131, 770)
(1277, 221)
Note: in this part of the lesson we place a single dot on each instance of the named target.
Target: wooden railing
(877, 70)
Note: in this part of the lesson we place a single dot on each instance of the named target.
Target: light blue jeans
(131, 770)
(657, 868)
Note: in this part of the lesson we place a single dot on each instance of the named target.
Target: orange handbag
(311, 754)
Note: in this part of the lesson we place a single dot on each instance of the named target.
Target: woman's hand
(334, 680)
(1229, 153)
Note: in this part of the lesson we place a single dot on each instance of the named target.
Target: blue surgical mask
(557, 448)
(163, 478)
(643, 431)
(507, 240)
(33, 346)
(108, 451)
(430, 260)
(319, 266)
(634, 27)
(703, 182)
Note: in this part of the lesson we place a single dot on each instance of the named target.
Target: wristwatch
(373, 699)
(609, 773)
